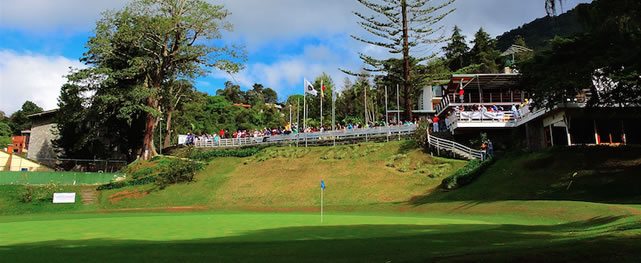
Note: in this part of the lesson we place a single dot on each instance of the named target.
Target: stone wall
(40, 142)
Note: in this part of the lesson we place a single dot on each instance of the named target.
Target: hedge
(121, 184)
(466, 175)
(208, 155)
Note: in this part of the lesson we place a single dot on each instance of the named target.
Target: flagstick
(322, 205)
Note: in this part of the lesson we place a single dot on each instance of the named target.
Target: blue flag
(322, 185)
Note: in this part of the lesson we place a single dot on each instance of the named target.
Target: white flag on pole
(309, 88)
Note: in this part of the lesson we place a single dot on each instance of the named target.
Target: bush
(464, 176)
(121, 184)
(208, 155)
(31, 193)
(420, 136)
(159, 170)
(178, 171)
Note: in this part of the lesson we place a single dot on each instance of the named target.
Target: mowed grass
(300, 237)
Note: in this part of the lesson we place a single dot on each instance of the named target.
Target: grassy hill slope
(371, 174)
(594, 174)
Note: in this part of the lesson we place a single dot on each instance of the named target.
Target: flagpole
(290, 117)
(334, 115)
(297, 120)
(386, 114)
(321, 106)
(398, 111)
(305, 110)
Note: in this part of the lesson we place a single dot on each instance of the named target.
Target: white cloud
(35, 77)
(286, 74)
(44, 15)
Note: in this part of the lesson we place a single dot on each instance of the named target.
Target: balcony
(487, 119)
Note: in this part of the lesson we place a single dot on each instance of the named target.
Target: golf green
(295, 237)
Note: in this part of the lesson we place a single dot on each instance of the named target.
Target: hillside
(364, 175)
(539, 31)
(592, 174)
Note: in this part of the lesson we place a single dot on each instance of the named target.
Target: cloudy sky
(286, 40)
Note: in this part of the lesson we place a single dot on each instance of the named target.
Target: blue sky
(286, 40)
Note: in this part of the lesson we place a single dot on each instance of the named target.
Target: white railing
(311, 138)
(454, 147)
(479, 119)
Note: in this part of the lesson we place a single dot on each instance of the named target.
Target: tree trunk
(407, 99)
(148, 149)
(167, 140)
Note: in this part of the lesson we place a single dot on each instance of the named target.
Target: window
(437, 91)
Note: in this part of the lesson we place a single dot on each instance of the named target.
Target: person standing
(435, 121)
(461, 95)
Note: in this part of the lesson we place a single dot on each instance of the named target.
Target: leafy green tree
(603, 60)
(96, 126)
(484, 52)
(233, 93)
(20, 120)
(175, 95)
(401, 27)
(162, 39)
(456, 50)
(255, 95)
(270, 95)
(5, 134)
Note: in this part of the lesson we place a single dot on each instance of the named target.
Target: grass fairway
(296, 237)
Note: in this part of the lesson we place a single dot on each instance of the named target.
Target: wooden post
(596, 134)
(551, 134)
(623, 133)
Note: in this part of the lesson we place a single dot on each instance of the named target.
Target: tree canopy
(138, 57)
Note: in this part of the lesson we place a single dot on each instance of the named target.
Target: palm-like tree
(552, 5)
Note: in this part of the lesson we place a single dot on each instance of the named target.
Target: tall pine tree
(402, 27)
(456, 50)
(484, 52)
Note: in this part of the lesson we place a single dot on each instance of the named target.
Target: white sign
(64, 198)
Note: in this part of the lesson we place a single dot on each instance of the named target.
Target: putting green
(189, 226)
(296, 237)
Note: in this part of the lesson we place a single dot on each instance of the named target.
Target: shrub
(161, 170)
(420, 136)
(179, 171)
(133, 182)
(31, 193)
(472, 170)
(208, 155)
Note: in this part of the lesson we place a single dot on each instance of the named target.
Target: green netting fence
(67, 178)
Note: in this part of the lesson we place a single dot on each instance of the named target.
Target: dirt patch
(117, 197)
